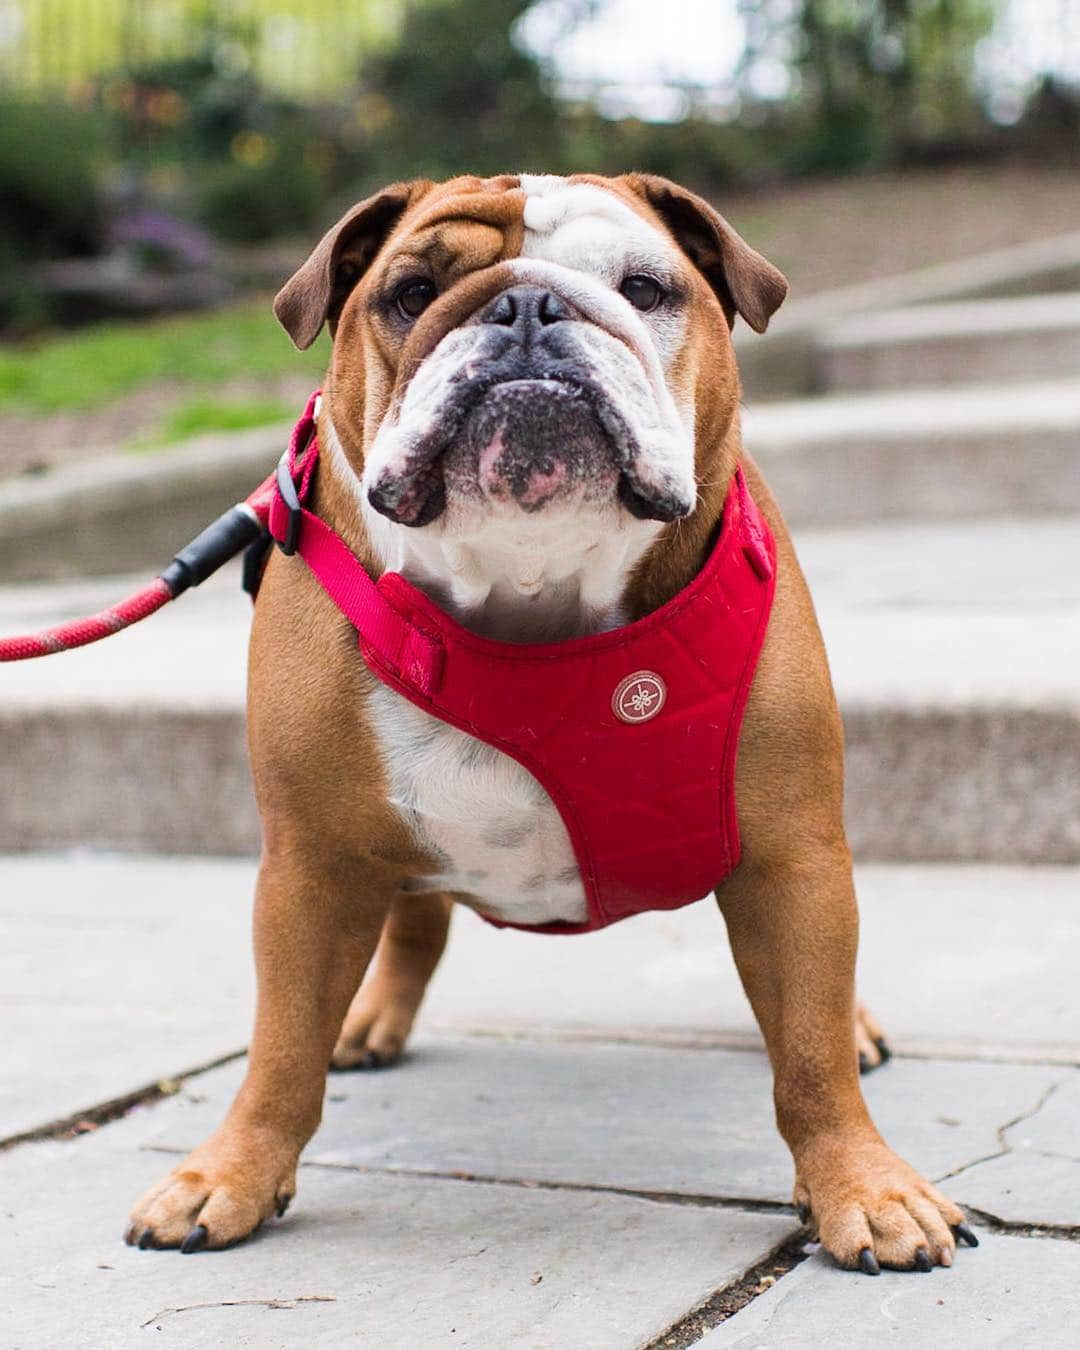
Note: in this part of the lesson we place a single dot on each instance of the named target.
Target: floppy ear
(314, 295)
(744, 281)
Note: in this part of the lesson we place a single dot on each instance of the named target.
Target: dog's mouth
(527, 442)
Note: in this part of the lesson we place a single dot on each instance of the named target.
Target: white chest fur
(499, 839)
(497, 835)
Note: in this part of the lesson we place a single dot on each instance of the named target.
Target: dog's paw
(213, 1199)
(870, 1043)
(872, 1210)
(377, 1025)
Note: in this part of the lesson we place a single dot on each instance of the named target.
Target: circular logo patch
(639, 697)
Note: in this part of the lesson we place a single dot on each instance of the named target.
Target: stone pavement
(578, 1153)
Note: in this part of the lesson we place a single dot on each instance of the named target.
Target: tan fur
(335, 853)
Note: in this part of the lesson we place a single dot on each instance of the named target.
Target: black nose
(526, 308)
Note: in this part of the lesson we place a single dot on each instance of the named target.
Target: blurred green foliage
(49, 158)
(455, 89)
(872, 81)
(249, 203)
(855, 84)
(90, 369)
(205, 134)
(446, 88)
(200, 416)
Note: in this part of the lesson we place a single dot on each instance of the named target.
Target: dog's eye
(412, 297)
(643, 292)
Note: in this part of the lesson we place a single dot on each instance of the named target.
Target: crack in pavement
(1005, 1147)
(731, 1298)
(747, 1204)
(676, 1038)
(275, 1303)
(88, 1121)
(1017, 1228)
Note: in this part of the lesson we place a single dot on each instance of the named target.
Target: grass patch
(95, 367)
(198, 416)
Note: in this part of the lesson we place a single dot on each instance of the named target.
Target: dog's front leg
(317, 921)
(794, 931)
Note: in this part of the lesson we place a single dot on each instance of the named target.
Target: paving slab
(1035, 1178)
(392, 1262)
(663, 1120)
(952, 648)
(1015, 1293)
(969, 961)
(109, 981)
(954, 343)
(921, 454)
(115, 973)
(1025, 1189)
(1055, 1129)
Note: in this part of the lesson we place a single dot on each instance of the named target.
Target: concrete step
(784, 362)
(1026, 338)
(923, 454)
(920, 454)
(128, 510)
(953, 648)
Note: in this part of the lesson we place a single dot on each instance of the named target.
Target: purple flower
(157, 232)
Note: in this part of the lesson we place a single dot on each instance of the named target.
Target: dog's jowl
(587, 603)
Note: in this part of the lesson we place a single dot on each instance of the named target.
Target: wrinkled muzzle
(549, 392)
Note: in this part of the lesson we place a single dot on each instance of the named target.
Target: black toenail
(369, 1060)
(864, 1063)
(195, 1240)
(922, 1259)
(868, 1262)
(883, 1049)
(966, 1234)
(284, 1201)
(146, 1239)
(803, 1211)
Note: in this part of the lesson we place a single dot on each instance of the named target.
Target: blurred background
(912, 166)
(160, 157)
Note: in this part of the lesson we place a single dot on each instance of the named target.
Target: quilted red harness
(632, 733)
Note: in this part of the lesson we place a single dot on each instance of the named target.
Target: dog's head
(512, 350)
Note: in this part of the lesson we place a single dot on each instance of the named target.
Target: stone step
(953, 647)
(974, 341)
(128, 510)
(918, 454)
(923, 454)
(784, 361)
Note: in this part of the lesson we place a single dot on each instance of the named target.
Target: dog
(531, 415)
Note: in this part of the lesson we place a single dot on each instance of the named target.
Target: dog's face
(512, 354)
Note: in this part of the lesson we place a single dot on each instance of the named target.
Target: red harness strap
(633, 733)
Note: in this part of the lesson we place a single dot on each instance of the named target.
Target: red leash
(243, 526)
(78, 632)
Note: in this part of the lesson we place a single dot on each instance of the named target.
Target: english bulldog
(532, 414)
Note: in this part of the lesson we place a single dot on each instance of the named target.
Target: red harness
(632, 733)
